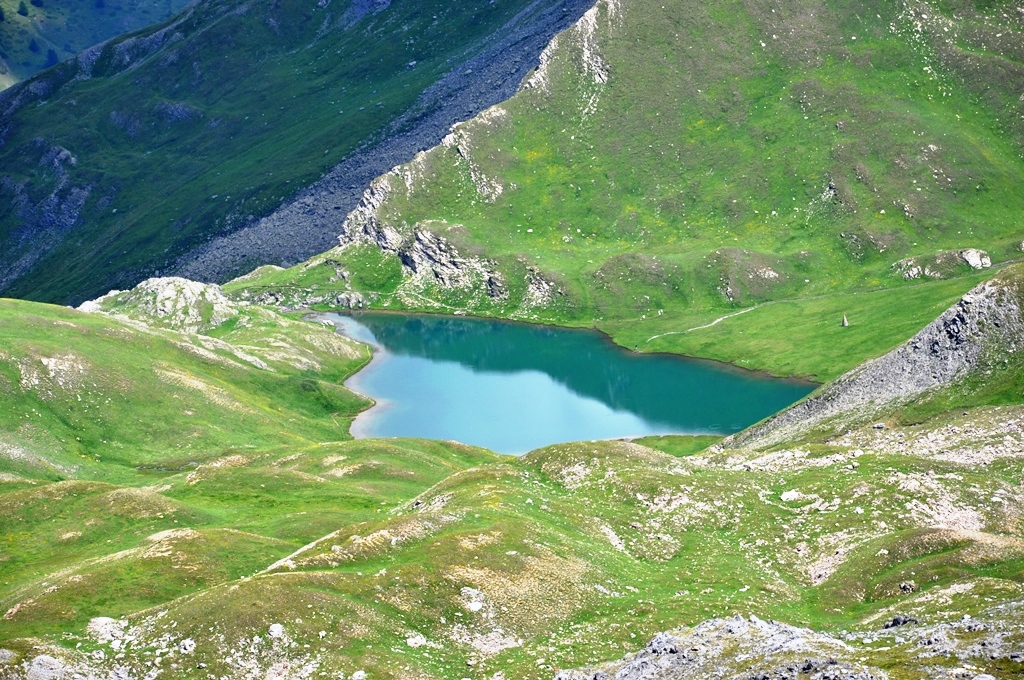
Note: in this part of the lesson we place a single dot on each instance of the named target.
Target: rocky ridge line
(987, 323)
(173, 302)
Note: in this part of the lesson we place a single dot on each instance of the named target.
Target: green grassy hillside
(98, 413)
(82, 390)
(179, 493)
(671, 165)
(67, 28)
(205, 514)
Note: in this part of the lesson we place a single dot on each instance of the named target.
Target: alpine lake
(512, 387)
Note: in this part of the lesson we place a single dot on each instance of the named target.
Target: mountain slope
(80, 387)
(66, 28)
(129, 159)
(667, 166)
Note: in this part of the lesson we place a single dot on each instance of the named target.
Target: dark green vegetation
(120, 162)
(65, 28)
(740, 154)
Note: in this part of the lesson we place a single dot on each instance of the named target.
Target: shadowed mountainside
(137, 155)
(52, 30)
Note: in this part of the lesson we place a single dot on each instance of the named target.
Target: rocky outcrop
(172, 302)
(310, 223)
(428, 254)
(460, 138)
(238, 235)
(942, 264)
(426, 257)
(739, 647)
(748, 648)
(986, 324)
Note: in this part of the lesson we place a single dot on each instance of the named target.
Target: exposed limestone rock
(944, 263)
(734, 648)
(986, 322)
(104, 629)
(586, 31)
(431, 255)
(580, 46)
(539, 79)
(978, 437)
(177, 303)
(351, 301)
(45, 668)
(461, 139)
(362, 222)
(52, 376)
(976, 259)
(753, 649)
(539, 292)
(426, 257)
(97, 304)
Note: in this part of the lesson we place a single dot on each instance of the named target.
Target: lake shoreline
(476, 376)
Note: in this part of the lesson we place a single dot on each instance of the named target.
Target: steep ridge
(131, 158)
(310, 222)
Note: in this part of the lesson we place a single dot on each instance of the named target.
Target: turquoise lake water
(515, 387)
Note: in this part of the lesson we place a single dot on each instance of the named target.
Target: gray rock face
(751, 649)
(899, 620)
(174, 302)
(45, 668)
(985, 323)
(311, 223)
